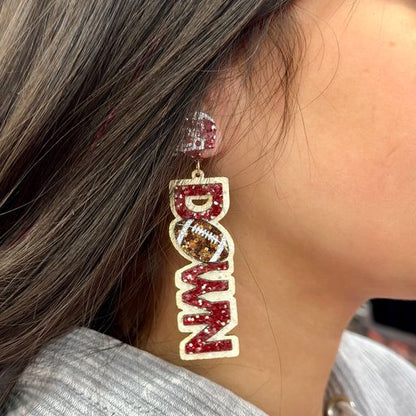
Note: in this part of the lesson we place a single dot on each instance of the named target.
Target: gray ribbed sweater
(88, 373)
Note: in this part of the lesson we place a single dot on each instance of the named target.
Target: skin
(330, 220)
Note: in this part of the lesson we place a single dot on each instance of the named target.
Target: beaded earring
(206, 287)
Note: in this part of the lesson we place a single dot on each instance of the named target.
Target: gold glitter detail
(201, 241)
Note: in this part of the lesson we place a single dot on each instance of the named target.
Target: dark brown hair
(93, 99)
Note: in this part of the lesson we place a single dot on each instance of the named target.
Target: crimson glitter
(182, 193)
(200, 134)
(206, 286)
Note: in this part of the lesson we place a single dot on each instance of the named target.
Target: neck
(291, 313)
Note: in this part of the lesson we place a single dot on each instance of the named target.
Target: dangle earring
(206, 286)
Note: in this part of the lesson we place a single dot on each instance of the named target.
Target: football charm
(201, 240)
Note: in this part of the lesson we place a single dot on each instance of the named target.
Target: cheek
(352, 195)
(350, 214)
(351, 183)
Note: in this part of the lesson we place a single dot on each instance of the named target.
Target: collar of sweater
(86, 370)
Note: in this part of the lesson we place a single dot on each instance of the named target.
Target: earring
(206, 287)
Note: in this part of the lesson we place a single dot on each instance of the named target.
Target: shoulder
(89, 373)
(378, 379)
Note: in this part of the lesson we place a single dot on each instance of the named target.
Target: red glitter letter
(218, 312)
(182, 194)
